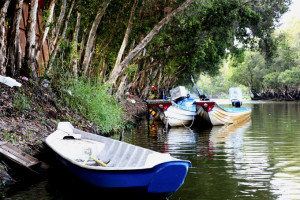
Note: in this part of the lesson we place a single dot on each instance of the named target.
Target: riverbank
(28, 114)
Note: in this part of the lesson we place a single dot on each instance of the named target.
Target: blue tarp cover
(187, 104)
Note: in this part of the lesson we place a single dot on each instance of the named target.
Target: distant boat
(218, 115)
(221, 116)
(112, 164)
(180, 110)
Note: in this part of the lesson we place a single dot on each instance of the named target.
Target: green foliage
(250, 72)
(195, 41)
(205, 33)
(11, 137)
(271, 80)
(218, 86)
(280, 73)
(290, 77)
(95, 102)
(21, 102)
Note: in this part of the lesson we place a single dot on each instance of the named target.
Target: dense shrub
(95, 103)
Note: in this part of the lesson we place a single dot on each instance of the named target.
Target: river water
(256, 159)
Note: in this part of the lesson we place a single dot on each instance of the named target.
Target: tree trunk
(51, 60)
(73, 62)
(134, 80)
(121, 87)
(173, 78)
(103, 69)
(3, 39)
(152, 74)
(56, 30)
(127, 33)
(117, 71)
(145, 91)
(81, 51)
(30, 60)
(19, 57)
(13, 49)
(57, 42)
(63, 35)
(88, 50)
(44, 35)
(159, 80)
(91, 56)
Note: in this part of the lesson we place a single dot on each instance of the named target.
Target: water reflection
(230, 135)
(256, 159)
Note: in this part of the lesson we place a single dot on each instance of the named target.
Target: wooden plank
(155, 101)
(17, 156)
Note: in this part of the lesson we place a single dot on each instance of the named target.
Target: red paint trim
(206, 105)
(163, 106)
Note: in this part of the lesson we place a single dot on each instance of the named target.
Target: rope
(189, 127)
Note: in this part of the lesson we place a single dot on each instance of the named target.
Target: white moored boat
(183, 109)
(177, 116)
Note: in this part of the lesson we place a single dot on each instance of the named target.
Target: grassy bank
(95, 103)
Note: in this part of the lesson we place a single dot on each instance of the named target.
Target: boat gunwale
(243, 109)
(101, 168)
(123, 169)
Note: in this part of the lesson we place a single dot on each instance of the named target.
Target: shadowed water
(256, 159)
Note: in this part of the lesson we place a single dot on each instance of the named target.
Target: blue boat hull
(163, 179)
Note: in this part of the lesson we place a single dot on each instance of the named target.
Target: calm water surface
(257, 159)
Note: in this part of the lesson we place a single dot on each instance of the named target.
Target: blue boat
(107, 163)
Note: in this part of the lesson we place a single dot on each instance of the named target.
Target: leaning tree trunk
(117, 71)
(56, 30)
(91, 56)
(121, 87)
(102, 69)
(153, 75)
(89, 46)
(81, 50)
(173, 79)
(146, 84)
(127, 33)
(44, 35)
(30, 60)
(160, 75)
(73, 62)
(14, 52)
(57, 45)
(3, 38)
(63, 35)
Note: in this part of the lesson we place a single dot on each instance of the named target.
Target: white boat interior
(88, 150)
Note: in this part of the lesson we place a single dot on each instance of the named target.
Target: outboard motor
(236, 103)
